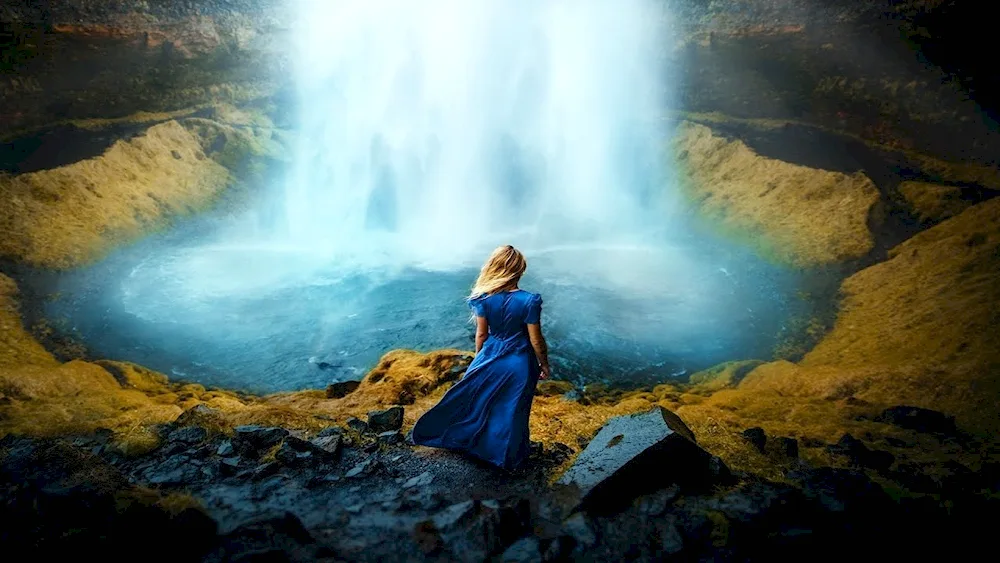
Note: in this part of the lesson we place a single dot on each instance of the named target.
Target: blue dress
(486, 413)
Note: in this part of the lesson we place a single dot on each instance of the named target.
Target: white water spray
(434, 130)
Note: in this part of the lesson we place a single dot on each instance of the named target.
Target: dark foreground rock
(198, 498)
(635, 454)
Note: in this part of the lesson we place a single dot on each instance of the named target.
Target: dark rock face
(75, 59)
(634, 454)
(919, 419)
(341, 389)
(386, 420)
(756, 437)
(254, 441)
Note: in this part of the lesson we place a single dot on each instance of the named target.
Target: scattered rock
(671, 541)
(357, 425)
(860, 455)
(229, 466)
(788, 447)
(385, 420)
(341, 389)
(427, 537)
(225, 449)
(756, 437)
(422, 480)
(254, 441)
(264, 471)
(524, 550)
(635, 454)
(656, 503)
(919, 419)
(188, 435)
(329, 445)
(363, 468)
(275, 538)
(578, 527)
(390, 437)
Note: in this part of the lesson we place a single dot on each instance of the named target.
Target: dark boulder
(860, 455)
(919, 419)
(357, 425)
(254, 441)
(274, 538)
(341, 389)
(756, 437)
(386, 420)
(788, 447)
(637, 454)
(188, 435)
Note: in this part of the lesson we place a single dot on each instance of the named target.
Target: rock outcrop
(794, 214)
(71, 60)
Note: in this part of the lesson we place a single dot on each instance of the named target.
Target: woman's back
(508, 312)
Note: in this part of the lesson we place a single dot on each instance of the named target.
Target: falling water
(430, 132)
(435, 130)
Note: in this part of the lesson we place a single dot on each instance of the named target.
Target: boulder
(756, 437)
(386, 420)
(254, 441)
(341, 389)
(634, 455)
(919, 419)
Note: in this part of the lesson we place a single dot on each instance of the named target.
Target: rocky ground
(642, 490)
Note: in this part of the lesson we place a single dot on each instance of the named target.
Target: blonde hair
(501, 272)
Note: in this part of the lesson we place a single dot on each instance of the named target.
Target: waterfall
(434, 130)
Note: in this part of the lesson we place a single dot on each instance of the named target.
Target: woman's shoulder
(530, 297)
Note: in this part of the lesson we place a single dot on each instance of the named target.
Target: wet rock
(455, 513)
(671, 540)
(919, 419)
(264, 471)
(188, 435)
(363, 468)
(330, 431)
(524, 550)
(656, 503)
(788, 447)
(254, 441)
(229, 466)
(59, 503)
(860, 455)
(475, 531)
(328, 445)
(578, 527)
(385, 420)
(637, 454)
(371, 448)
(291, 456)
(357, 425)
(390, 437)
(756, 437)
(842, 490)
(341, 389)
(421, 480)
(225, 449)
(427, 537)
(274, 538)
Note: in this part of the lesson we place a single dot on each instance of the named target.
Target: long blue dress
(486, 413)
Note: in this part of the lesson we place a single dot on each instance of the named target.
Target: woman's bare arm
(541, 347)
(482, 331)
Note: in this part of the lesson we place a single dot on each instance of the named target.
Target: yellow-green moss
(69, 215)
(933, 202)
(793, 214)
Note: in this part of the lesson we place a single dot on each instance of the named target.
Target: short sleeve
(534, 313)
(478, 307)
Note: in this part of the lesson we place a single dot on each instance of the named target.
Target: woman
(486, 413)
